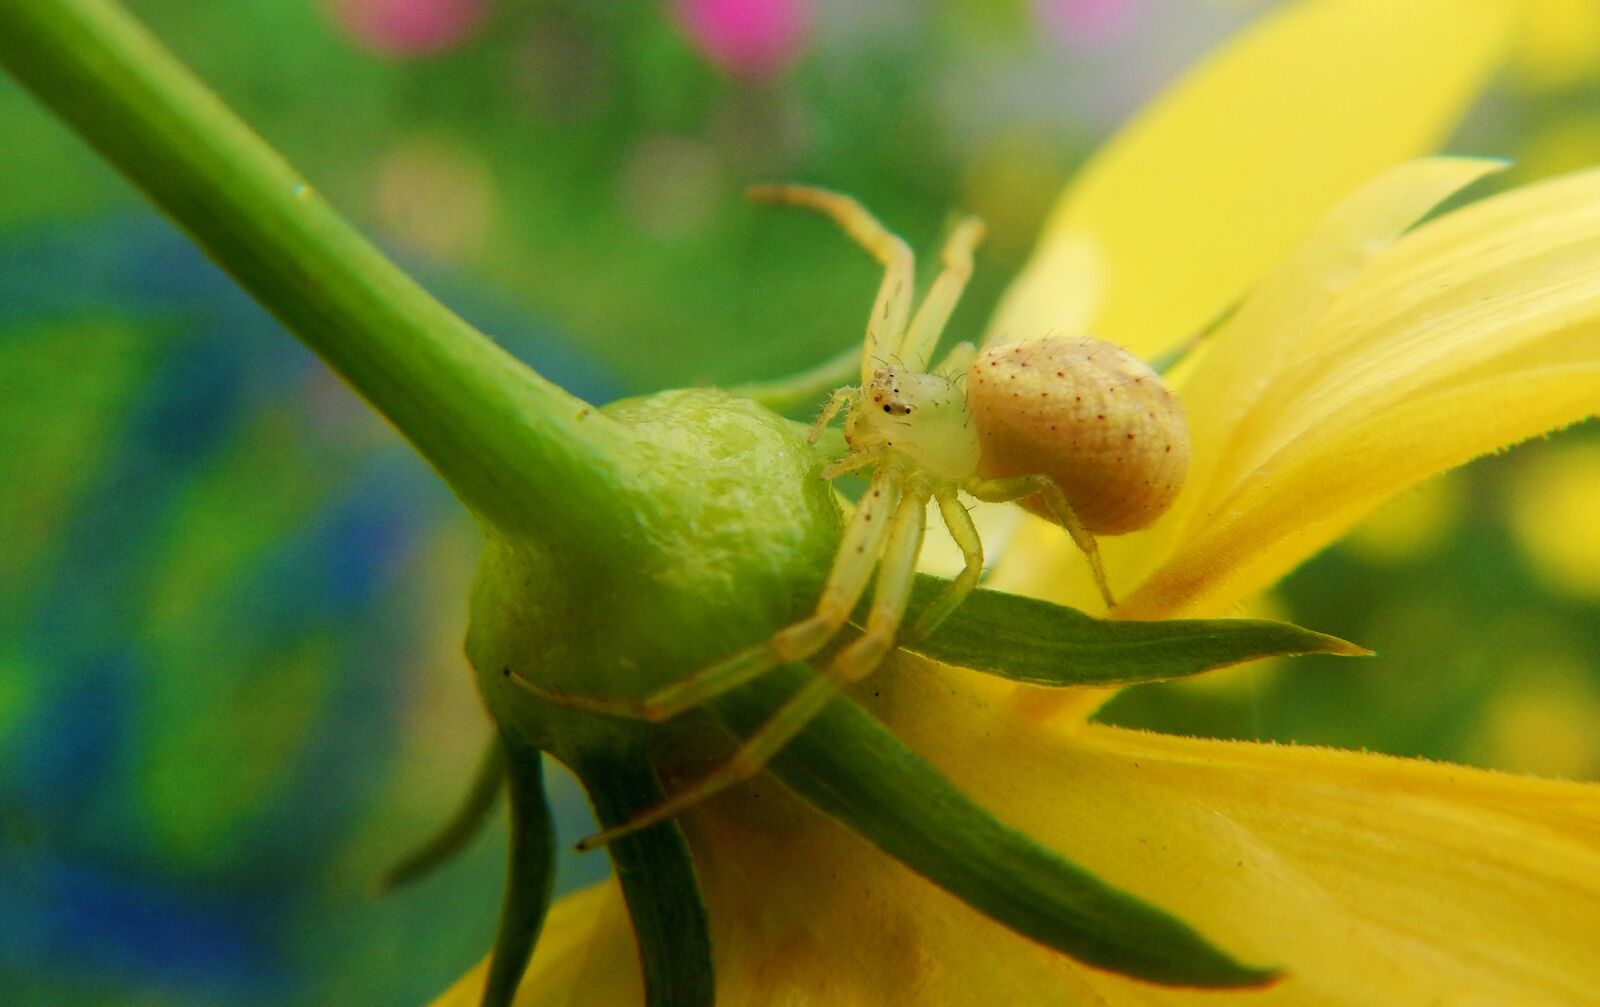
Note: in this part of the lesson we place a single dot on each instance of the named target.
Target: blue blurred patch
(72, 745)
(108, 929)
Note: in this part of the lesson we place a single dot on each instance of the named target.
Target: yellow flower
(1377, 353)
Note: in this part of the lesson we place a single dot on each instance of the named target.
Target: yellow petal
(1215, 181)
(1477, 330)
(1245, 362)
(1468, 294)
(1369, 880)
(1285, 513)
(1373, 881)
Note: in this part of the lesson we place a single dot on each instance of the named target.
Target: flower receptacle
(730, 536)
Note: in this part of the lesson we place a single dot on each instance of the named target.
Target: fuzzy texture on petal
(1211, 184)
(1371, 880)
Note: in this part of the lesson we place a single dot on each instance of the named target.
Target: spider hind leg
(1019, 487)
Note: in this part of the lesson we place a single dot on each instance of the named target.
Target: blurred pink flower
(1082, 21)
(746, 38)
(408, 27)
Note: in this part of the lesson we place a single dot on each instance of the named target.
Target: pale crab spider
(1076, 430)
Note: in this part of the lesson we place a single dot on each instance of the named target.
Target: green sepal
(658, 882)
(463, 825)
(1027, 640)
(852, 768)
(529, 880)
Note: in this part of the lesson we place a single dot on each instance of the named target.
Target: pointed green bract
(658, 884)
(529, 880)
(851, 767)
(462, 826)
(1027, 640)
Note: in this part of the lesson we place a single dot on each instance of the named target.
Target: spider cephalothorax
(922, 416)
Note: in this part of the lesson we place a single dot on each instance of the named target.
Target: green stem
(517, 450)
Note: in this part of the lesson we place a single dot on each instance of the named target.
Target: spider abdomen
(1091, 416)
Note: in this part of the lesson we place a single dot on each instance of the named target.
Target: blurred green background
(231, 601)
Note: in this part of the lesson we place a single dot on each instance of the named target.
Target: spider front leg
(892, 308)
(860, 658)
(1021, 487)
(922, 338)
(853, 564)
(896, 573)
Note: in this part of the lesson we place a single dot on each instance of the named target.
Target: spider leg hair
(955, 363)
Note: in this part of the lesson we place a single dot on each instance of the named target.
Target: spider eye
(888, 409)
